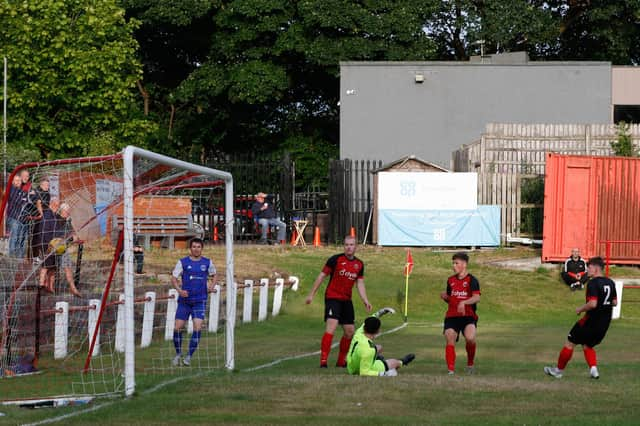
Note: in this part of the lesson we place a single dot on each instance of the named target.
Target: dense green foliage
(194, 78)
(623, 146)
(71, 69)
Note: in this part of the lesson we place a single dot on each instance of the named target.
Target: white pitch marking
(178, 379)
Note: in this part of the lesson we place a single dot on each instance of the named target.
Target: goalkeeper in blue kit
(364, 357)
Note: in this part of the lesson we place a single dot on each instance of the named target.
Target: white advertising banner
(107, 191)
(427, 191)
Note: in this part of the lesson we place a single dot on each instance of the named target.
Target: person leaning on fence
(265, 215)
(38, 200)
(68, 234)
(194, 277)
(574, 271)
(56, 232)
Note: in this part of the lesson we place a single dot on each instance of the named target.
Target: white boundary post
(264, 299)
(214, 309)
(92, 321)
(295, 281)
(172, 307)
(128, 155)
(61, 330)
(277, 297)
(147, 319)
(617, 310)
(248, 301)
(120, 330)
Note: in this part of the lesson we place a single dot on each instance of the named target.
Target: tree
(72, 71)
(459, 26)
(269, 77)
(599, 30)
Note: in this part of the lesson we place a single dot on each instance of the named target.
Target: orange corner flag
(408, 266)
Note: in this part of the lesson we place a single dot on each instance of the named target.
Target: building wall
(385, 114)
(625, 85)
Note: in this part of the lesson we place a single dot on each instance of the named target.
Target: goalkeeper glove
(385, 311)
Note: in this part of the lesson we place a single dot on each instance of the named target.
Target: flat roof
(473, 64)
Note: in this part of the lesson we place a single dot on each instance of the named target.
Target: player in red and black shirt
(592, 327)
(463, 292)
(344, 271)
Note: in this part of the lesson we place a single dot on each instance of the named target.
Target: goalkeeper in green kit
(364, 357)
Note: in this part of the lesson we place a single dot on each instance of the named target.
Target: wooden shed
(407, 164)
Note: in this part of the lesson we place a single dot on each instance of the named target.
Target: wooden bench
(168, 228)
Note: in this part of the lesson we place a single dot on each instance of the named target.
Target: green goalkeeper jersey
(362, 358)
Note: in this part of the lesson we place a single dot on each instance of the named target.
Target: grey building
(389, 110)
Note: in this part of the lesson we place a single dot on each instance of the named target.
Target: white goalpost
(74, 299)
(129, 153)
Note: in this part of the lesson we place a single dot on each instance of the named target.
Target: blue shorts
(195, 309)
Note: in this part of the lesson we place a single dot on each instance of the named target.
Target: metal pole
(129, 315)
(4, 137)
(607, 255)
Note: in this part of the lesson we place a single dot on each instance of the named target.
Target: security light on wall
(419, 77)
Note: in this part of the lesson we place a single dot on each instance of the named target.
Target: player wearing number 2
(463, 292)
(592, 327)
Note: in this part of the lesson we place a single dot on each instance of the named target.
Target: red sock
(344, 349)
(590, 356)
(565, 356)
(450, 355)
(471, 353)
(325, 347)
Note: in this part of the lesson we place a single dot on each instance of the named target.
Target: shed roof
(410, 163)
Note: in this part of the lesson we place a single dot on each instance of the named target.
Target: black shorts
(459, 323)
(342, 310)
(384, 361)
(590, 333)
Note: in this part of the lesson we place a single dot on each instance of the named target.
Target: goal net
(86, 299)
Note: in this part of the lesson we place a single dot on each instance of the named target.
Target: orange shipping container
(589, 200)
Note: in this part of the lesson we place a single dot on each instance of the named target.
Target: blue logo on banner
(408, 189)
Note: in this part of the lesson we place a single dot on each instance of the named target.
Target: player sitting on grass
(364, 357)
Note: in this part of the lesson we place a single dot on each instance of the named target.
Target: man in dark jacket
(265, 215)
(574, 270)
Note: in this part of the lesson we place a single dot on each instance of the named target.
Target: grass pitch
(524, 318)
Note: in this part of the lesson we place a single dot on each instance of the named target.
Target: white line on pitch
(178, 379)
(289, 358)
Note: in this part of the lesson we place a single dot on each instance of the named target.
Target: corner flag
(408, 267)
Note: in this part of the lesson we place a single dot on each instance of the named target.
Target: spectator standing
(24, 177)
(37, 202)
(17, 230)
(57, 228)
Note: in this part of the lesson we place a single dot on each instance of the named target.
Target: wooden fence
(518, 217)
(350, 197)
(521, 148)
(508, 155)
